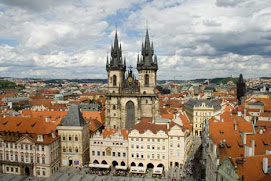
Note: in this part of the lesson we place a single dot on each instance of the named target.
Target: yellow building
(200, 110)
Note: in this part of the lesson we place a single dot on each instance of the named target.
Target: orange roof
(109, 132)
(98, 115)
(251, 169)
(54, 116)
(7, 95)
(26, 125)
(95, 125)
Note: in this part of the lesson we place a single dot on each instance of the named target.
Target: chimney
(253, 147)
(235, 126)
(268, 152)
(265, 165)
(244, 138)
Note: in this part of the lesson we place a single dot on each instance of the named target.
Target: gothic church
(128, 100)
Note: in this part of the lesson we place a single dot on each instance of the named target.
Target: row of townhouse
(160, 143)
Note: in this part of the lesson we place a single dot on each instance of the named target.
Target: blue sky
(192, 38)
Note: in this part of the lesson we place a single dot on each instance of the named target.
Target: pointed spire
(155, 59)
(137, 58)
(116, 41)
(124, 61)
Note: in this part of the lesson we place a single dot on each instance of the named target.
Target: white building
(162, 143)
(109, 148)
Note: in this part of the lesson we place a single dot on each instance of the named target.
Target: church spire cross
(130, 67)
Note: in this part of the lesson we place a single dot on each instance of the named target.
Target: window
(76, 150)
(163, 147)
(7, 156)
(31, 147)
(38, 159)
(132, 146)
(38, 147)
(132, 155)
(153, 147)
(152, 156)
(16, 170)
(137, 155)
(158, 140)
(114, 80)
(163, 156)
(152, 140)
(158, 147)
(142, 147)
(7, 169)
(148, 139)
(64, 149)
(26, 159)
(158, 156)
(146, 77)
(7, 147)
(22, 146)
(171, 144)
(22, 158)
(118, 154)
(75, 138)
(178, 145)
(0, 144)
(103, 153)
(137, 139)
(63, 138)
(132, 139)
(148, 146)
(148, 156)
(26, 147)
(70, 138)
(98, 153)
(93, 153)
(42, 148)
(137, 146)
(114, 154)
(43, 160)
(15, 146)
(70, 149)
(38, 172)
(31, 159)
(16, 158)
(1, 156)
(43, 172)
(124, 154)
(141, 139)
(11, 145)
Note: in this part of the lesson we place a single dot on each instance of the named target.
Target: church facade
(129, 99)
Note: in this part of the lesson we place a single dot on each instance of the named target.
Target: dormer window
(40, 138)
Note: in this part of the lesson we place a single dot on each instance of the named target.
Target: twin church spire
(145, 62)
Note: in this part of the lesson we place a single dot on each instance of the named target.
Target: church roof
(74, 117)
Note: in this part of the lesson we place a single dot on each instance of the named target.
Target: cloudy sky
(192, 38)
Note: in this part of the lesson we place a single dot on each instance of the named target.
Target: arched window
(146, 79)
(114, 107)
(114, 80)
(76, 150)
(64, 149)
(146, 101)
(76, 138)
(70, 149)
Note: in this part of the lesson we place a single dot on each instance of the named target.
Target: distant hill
(223, 80)
(76, 80)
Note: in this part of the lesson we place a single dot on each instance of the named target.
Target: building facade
(200, 110)
(129, 99)
(109, 147)
(74, 133)
(31, 147)
(158, 144)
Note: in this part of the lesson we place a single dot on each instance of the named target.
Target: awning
(121, 167)
(138, 169)
(157, 170)
(99, 165)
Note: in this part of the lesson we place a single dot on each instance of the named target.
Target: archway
(150, 165)
(176, 164)
(133, 164)
(27, 171)
(96, 162)
(160, 165)
(114, 163)
(130, 115)
(104, 162)
(122, 163)
(140, 164)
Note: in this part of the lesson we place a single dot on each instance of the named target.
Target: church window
(146, 101)
(93, 153)
(76, 138)
(70, 149)
(146, 79)
(114, 107)
(76, 150)
(64, 149)
(114, 80)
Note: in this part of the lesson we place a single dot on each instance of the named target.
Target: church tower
(241, 88)
(115, 68)
(128, 100)
(147, 67)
